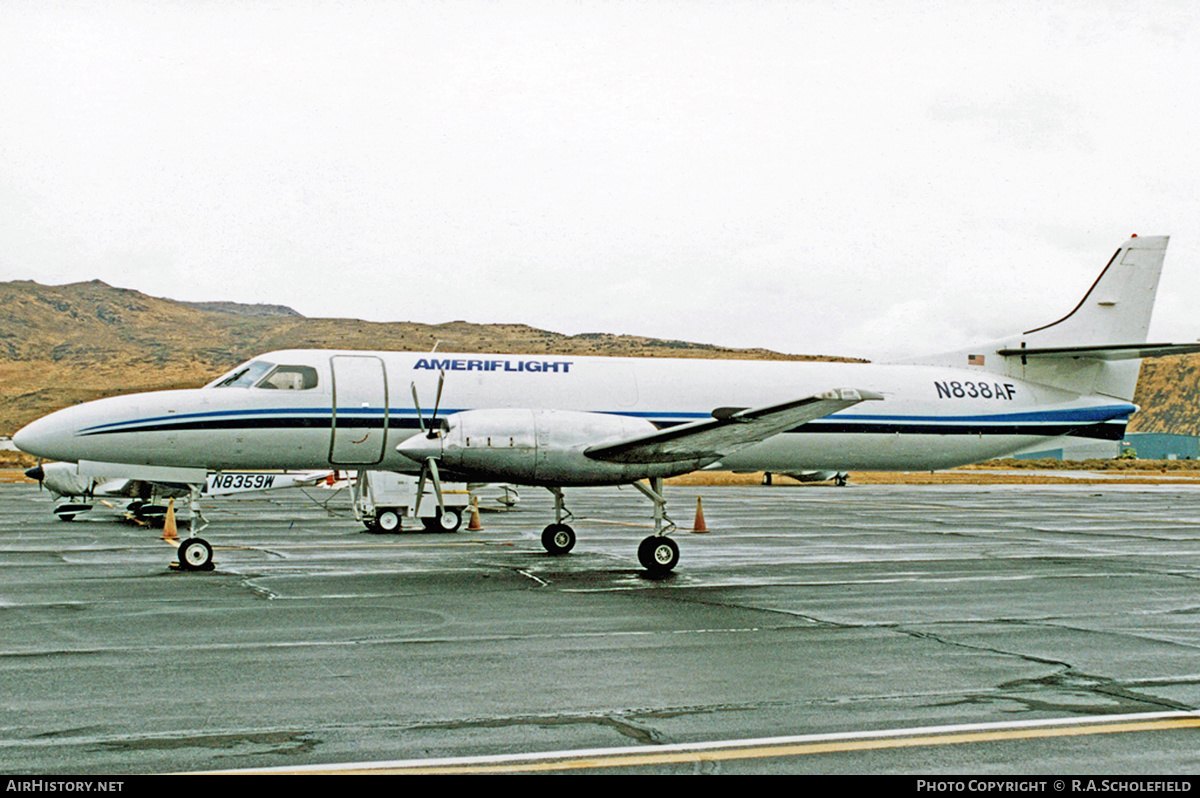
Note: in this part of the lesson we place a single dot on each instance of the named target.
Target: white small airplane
(76, 492)
(562, 421)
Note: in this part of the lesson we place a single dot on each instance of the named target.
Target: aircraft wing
(729, 430)
(1111, 352)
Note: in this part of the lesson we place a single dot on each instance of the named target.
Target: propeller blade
(437, 400)
(429, 470)
(417, 405)
(437, 484)
(420, 491)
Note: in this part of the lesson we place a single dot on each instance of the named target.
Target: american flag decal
(974, 360)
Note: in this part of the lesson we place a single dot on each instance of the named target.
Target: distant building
(1164, 446)
(1147, 445)
(1071, 450)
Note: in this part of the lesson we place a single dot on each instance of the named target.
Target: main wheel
(658, 554)
(558, 538)
(150, 512)
(448, 521)
(195, 554)
(387, 520)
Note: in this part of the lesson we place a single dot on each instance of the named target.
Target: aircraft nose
(44, 438)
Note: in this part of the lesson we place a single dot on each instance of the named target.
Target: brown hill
(60, 345)
(1168, 392)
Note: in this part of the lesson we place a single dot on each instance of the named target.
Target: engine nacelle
(62, 479)
(536, 447)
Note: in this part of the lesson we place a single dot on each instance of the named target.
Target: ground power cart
(383, 499)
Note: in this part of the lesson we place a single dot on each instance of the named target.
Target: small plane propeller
(429, 469)
(38, 473)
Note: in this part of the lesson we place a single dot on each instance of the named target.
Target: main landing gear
(658, 554)
(558, 538)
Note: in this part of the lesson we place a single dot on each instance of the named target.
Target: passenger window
(291, 378)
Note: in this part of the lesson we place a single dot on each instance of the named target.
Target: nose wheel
(195, 554)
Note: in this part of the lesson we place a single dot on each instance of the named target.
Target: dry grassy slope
(60, 345)
(1169, 394)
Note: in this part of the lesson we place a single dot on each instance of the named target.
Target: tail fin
(1096, 347)
(1117, 308)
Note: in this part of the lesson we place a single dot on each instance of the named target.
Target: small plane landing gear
(558, 538)
(658, 554)
(67, 512)
(195, 554)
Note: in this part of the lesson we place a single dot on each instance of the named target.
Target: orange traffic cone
(474, 525)
(169, 532)
(699, 526)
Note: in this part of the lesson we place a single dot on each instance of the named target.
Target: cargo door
(360, 410)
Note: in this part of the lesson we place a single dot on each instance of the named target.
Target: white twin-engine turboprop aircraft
(561, 421)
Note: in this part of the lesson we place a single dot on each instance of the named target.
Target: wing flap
(730, 430)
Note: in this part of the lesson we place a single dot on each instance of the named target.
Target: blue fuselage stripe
(1044, 423)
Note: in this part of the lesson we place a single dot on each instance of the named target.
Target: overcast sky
(871, 179)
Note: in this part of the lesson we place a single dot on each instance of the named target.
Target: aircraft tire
(195, 555)
(388, 520)
(658, 554)
(558, 538)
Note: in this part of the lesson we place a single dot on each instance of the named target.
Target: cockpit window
(243, 376)
(290, 378)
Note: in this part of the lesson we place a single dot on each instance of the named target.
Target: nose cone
(49, 437)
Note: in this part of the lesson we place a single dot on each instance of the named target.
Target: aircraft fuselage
(344, 409)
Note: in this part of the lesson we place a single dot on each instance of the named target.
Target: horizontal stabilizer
(728, 431)
(1111, 352)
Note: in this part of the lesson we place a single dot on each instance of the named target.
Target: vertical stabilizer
(1114, 313)
(1117, 308)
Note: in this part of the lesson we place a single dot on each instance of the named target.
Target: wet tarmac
(808, 618)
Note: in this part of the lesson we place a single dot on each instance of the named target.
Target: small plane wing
(1110, 352)
(729, 430)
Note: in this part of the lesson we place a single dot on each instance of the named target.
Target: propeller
(430, 431)
(429, 469)
(38, 473)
